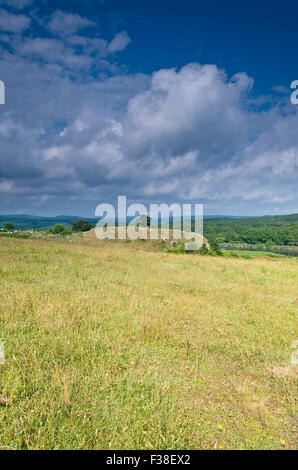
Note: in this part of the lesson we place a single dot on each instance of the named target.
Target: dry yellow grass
(111, 346)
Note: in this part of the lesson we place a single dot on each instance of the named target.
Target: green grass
(253, 254)
(111, 346)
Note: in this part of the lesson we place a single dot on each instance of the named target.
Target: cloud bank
(78, 130)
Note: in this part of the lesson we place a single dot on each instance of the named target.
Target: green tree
(8, 226)
(58, 229)
(82, 226)
(144, 220)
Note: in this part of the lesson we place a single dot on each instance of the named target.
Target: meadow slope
(112, 347)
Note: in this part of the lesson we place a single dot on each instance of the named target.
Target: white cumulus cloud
(13, 23)
(119, 42)
(64, 24)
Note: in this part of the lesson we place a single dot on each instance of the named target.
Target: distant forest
(277, 230)
(31, 222)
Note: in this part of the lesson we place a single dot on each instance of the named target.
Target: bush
(8, 226)
(203, 250)
(82, 226)
(59, 229)
(215, 248)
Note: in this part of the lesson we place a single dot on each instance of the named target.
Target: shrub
(8, 226)
(82, 226)
(203, 250)
(215, 248)
(59, 229)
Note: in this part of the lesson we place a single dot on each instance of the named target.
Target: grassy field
(112, 346)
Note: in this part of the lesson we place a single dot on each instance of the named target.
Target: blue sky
(162, 101)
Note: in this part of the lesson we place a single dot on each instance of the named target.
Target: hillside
(281, 230)
(112, 347)
(145, 234)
